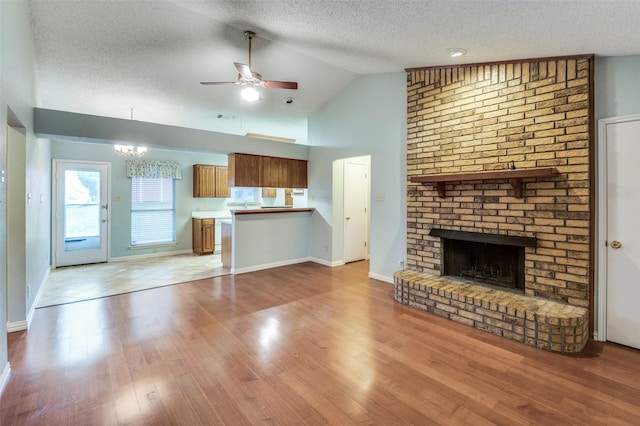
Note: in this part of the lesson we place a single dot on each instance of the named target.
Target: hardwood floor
(302, 344)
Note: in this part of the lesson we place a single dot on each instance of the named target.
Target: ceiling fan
(248, 77)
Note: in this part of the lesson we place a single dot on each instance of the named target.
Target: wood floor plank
(301, 344)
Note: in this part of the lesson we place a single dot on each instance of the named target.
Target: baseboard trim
(4, 377)
(381, 277)
(329, 263)
(12, 327)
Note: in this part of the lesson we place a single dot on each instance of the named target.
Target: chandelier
(130, 151)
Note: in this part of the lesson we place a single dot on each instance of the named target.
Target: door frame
(601, 236)
(54, 205)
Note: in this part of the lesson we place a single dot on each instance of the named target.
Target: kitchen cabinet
(297, 174)
(267, 172)
(210, 181)
(203, 238)
(275, 172)
(222, 182)
(245, 170)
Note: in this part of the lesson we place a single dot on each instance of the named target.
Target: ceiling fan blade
(217, 83)
(244, 70)
(281, 84)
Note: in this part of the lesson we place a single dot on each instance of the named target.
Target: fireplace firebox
(485, 258)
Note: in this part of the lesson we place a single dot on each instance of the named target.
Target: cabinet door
(275, 172)
(222, 184)
(298, 174)
(204, 179)
(208, 237)
(244, 170)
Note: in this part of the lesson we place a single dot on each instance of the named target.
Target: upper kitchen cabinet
(245, 170)
(210, 181)
(222, 182)
(298, 174)
(275, 172)
(262, 171)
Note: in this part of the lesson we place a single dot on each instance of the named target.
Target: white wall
(267, 240)
(617, 86)
(17, 98)
(16, 238)
(368, 118)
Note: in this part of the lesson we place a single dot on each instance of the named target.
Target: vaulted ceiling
(144, 59)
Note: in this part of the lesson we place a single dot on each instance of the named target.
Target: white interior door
(621, 138)
(356, 195)
(81, 212)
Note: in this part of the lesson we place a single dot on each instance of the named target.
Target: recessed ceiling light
(456, 51)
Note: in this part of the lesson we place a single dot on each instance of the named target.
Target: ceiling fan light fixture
(250, 94)
(455, 52)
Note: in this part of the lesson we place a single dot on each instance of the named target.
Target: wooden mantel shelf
(514, 177)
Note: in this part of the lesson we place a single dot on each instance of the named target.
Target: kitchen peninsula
(268, 237)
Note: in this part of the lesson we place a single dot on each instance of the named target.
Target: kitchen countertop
(273, 210)
(211, 214)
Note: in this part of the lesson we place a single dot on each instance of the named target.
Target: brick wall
(534, 113)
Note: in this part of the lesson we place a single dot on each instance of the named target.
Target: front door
(81, 212)
(622, 147)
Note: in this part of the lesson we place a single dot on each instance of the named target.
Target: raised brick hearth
(542, 323)
(531, 114)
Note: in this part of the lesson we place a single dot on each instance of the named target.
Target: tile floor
(76, 283)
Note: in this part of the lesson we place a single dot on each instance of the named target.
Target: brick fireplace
(504, 150)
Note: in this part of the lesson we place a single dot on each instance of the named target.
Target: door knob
(616, 244)
(348, 217)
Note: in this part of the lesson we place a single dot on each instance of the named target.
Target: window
(153, 211)
(245, 195)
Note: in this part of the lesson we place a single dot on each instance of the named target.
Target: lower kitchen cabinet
(203, 235)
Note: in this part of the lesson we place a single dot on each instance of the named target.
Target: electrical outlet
(326, 248)
(401, 262)
(28, 290)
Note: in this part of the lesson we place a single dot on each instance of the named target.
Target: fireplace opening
(485, 258)
(487, 263)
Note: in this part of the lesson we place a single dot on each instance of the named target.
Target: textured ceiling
(107, 57)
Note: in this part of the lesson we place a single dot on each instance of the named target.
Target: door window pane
(81, 210)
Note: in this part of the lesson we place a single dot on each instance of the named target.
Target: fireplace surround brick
(484, 117)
